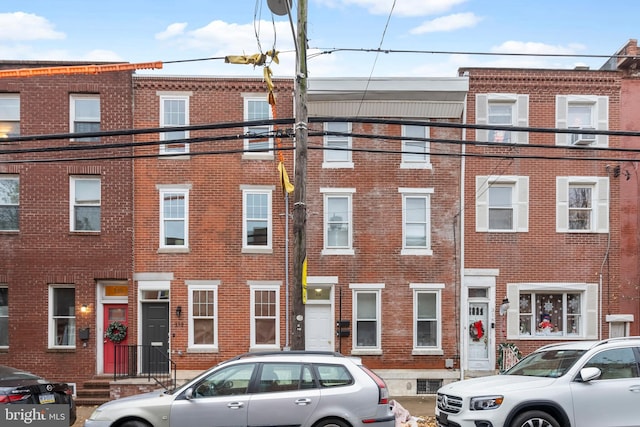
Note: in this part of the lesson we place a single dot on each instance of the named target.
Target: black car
(21, 387)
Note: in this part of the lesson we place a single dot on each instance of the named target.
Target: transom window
(337, 144)
(85, 115)
(9, 203)
(86, 203)
(174, 112)
(9, 115)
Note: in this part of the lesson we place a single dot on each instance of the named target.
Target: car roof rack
(616, 339)
(286, 353)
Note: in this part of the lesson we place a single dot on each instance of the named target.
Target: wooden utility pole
(300, 194)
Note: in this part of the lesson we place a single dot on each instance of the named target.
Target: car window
(550, 363)
(615, 364)
(333, 375)
(284, 377)
(227, 381)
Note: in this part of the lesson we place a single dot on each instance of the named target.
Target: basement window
(424, 386)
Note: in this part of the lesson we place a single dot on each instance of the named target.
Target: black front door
(155, 337)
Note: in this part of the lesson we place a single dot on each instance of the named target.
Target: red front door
(113, 313)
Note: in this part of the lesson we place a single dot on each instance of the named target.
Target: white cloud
(401, 8)
(448, 23)
(103, 55)
(172, 30)
(534, 48)
(16, 26)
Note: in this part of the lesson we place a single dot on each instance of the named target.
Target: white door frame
(479, 278)
(324, 282)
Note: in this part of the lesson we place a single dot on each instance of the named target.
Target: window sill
(248, 250)
(337, 165)
(178, 250)
(84, 233)
(417, 252)
(174, 156)
(258, 348)
(196, 350)
(416, 165)
(338, 252)
(366, 352)
(427, 352)
(61, 350)
(258, 156)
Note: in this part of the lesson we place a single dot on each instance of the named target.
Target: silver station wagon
(286, 388)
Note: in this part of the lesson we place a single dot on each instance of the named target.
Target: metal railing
(154, 364)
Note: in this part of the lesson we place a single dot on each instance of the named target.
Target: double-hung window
(367, 318)
(9, 115)
(174, 112)
(258, 142)
(62, 316)
(579, 113)
(265, 309)
(416, 221)
(415, 147)
(427, 330)
(85, 115)
(86, 201)
(9, 203)
(502, 203)
(4, 316)
(502, 110)
(337, 145)
(582, 204)
(203, 315)
(338, 221)
(174, 217)
(257, 224)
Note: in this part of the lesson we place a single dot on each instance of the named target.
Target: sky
(417, 38)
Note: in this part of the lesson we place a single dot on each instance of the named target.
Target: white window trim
(406, 162)
(196, 285)
(52, 324)
(426, 193)
(248, 154)
(264, 286)
(600, 203)
(521, 117)
(435, 288)
(12, 177)
(72, 110)
(520, 202)
(369, 288)
(337, 192)
(333, 164)
(600, 113)
(185, 189)
(589, 308)
(10, 118)
(174, 97)
(72, 199)
(257, 189)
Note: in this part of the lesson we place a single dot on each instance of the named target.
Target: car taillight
(383, 392)
(10, 398)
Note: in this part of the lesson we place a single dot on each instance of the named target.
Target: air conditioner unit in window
(582, 138)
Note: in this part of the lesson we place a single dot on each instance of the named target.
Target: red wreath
(476, 330)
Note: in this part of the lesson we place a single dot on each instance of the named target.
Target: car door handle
(235, 405)
(302, 402)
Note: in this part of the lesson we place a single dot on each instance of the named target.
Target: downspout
(462, 234)
(286, 270)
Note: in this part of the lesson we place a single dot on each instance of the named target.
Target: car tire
(331, 422)
(534, 419)
(134, 423)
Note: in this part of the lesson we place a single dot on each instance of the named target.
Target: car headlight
(483, 403)
(98, 415)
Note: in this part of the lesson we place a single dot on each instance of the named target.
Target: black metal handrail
(154, 364)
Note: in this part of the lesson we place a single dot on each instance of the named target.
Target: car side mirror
(188, 394)
(588, 374)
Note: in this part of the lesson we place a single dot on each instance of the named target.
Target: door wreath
(116, 332)
(476, 330)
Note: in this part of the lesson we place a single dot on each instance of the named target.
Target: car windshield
(548, 363)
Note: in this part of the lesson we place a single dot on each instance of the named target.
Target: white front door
(479, 335)
(319, 331)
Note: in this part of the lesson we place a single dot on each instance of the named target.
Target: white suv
(289, 388)
(575, 384)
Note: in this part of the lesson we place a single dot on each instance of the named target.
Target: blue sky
(170, 30)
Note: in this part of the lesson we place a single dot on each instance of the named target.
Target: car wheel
(331, 422)
(534, 419)
(134, 423)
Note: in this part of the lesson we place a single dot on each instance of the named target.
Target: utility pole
(300, 192)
